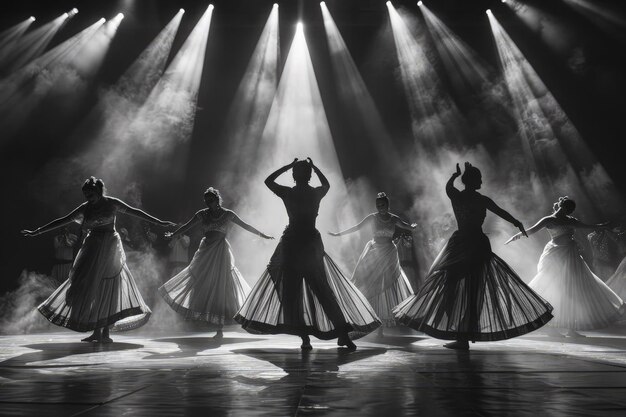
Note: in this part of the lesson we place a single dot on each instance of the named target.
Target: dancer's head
(93, 189)
(471, 178)
(382, 203)
(212, 198)
(302, 172)
(566, 205)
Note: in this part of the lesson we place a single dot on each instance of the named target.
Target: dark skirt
(472, 294)
(303, 292)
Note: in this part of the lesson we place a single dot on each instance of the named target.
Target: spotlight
(32, 18)
(275, 6)
(65, 15)
(322, 3)
(119, 16)
(211, 7)
(420, 3)
(181, 11)
(299, 26)
(503, 1)
(72, 12)
(388, 4)
(488, 11)
(102, 20)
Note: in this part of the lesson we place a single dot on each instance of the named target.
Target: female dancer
(302, 291)
(210, 289)
(581, 300)
(470, 293)
(378, 274)
(100, 290)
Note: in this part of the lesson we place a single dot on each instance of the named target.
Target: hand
(334, 234)
(293, 162)
(168, 235)
(520, 226)
(458, 171)
(310, 161)
(413, 225)
(513, 238)
(29, 233)
(264, 236)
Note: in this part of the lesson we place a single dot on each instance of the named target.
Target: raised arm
(534, 229)
(450, 189)
(500, 212)
(270, 181)
(188, 225)
(367, 219)
(237, 220)
(135, 212)
(56, 223)
(325, 184)
(402, 224)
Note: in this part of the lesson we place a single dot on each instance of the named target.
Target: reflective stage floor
(191, 374)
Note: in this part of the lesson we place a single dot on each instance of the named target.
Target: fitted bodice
(560, 231)
(302, 205)
(219, 224)
(383, 229)
(100, 216)
(469, 211)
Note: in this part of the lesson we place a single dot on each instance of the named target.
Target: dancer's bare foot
(457, 345)
(93, 338)
(219, 334)
(306, 343)
(106, 340)
(345, 341)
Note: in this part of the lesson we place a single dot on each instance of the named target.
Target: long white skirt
(211, 288)
(380, 278)
(580, 299)
(100, 290)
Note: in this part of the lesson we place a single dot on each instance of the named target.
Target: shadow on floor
(191, 346)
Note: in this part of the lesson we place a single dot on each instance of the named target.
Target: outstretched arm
(354, 228)
(135, 212)
(325, 184)
(249, 228)
(182, 229)
(56, 223)
(450, 189)
(270, 181)
(402, 224)
(500, 212)
(534, 229)
(578, 224)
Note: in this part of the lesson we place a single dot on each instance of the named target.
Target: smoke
(18, 308)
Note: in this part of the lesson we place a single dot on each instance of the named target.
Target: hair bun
(381, 195)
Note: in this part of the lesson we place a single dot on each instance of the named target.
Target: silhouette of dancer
(581, 300)
(470, 293)
(378, 274)
(210, 289)
(100, 289)
(303, 292)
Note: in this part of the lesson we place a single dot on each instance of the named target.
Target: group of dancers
(470, 294)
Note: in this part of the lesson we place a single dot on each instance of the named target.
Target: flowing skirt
(581, 300)
(210, 289)
(303, 292)
(61, 271)
(617, 282)
(100, 290)
(472, 294)
(380, 279)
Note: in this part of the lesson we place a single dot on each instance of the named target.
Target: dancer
(100, 289)
(470, 293)
(210, 289)
(178, 257)
(378, 274)
(302, 291)
(581, 300)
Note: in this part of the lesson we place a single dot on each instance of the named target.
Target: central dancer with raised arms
(303, 292)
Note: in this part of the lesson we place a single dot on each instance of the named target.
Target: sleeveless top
(469, 211)
(219, 224)
(302, 205)
(383, 229)
(99, 217)
(560, 232)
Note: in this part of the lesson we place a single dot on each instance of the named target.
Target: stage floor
(191, 374)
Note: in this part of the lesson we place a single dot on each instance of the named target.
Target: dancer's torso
(469, 210)
(302, 204)
(383, 229)
(100, 217)
(561, 234)
(215, 223)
